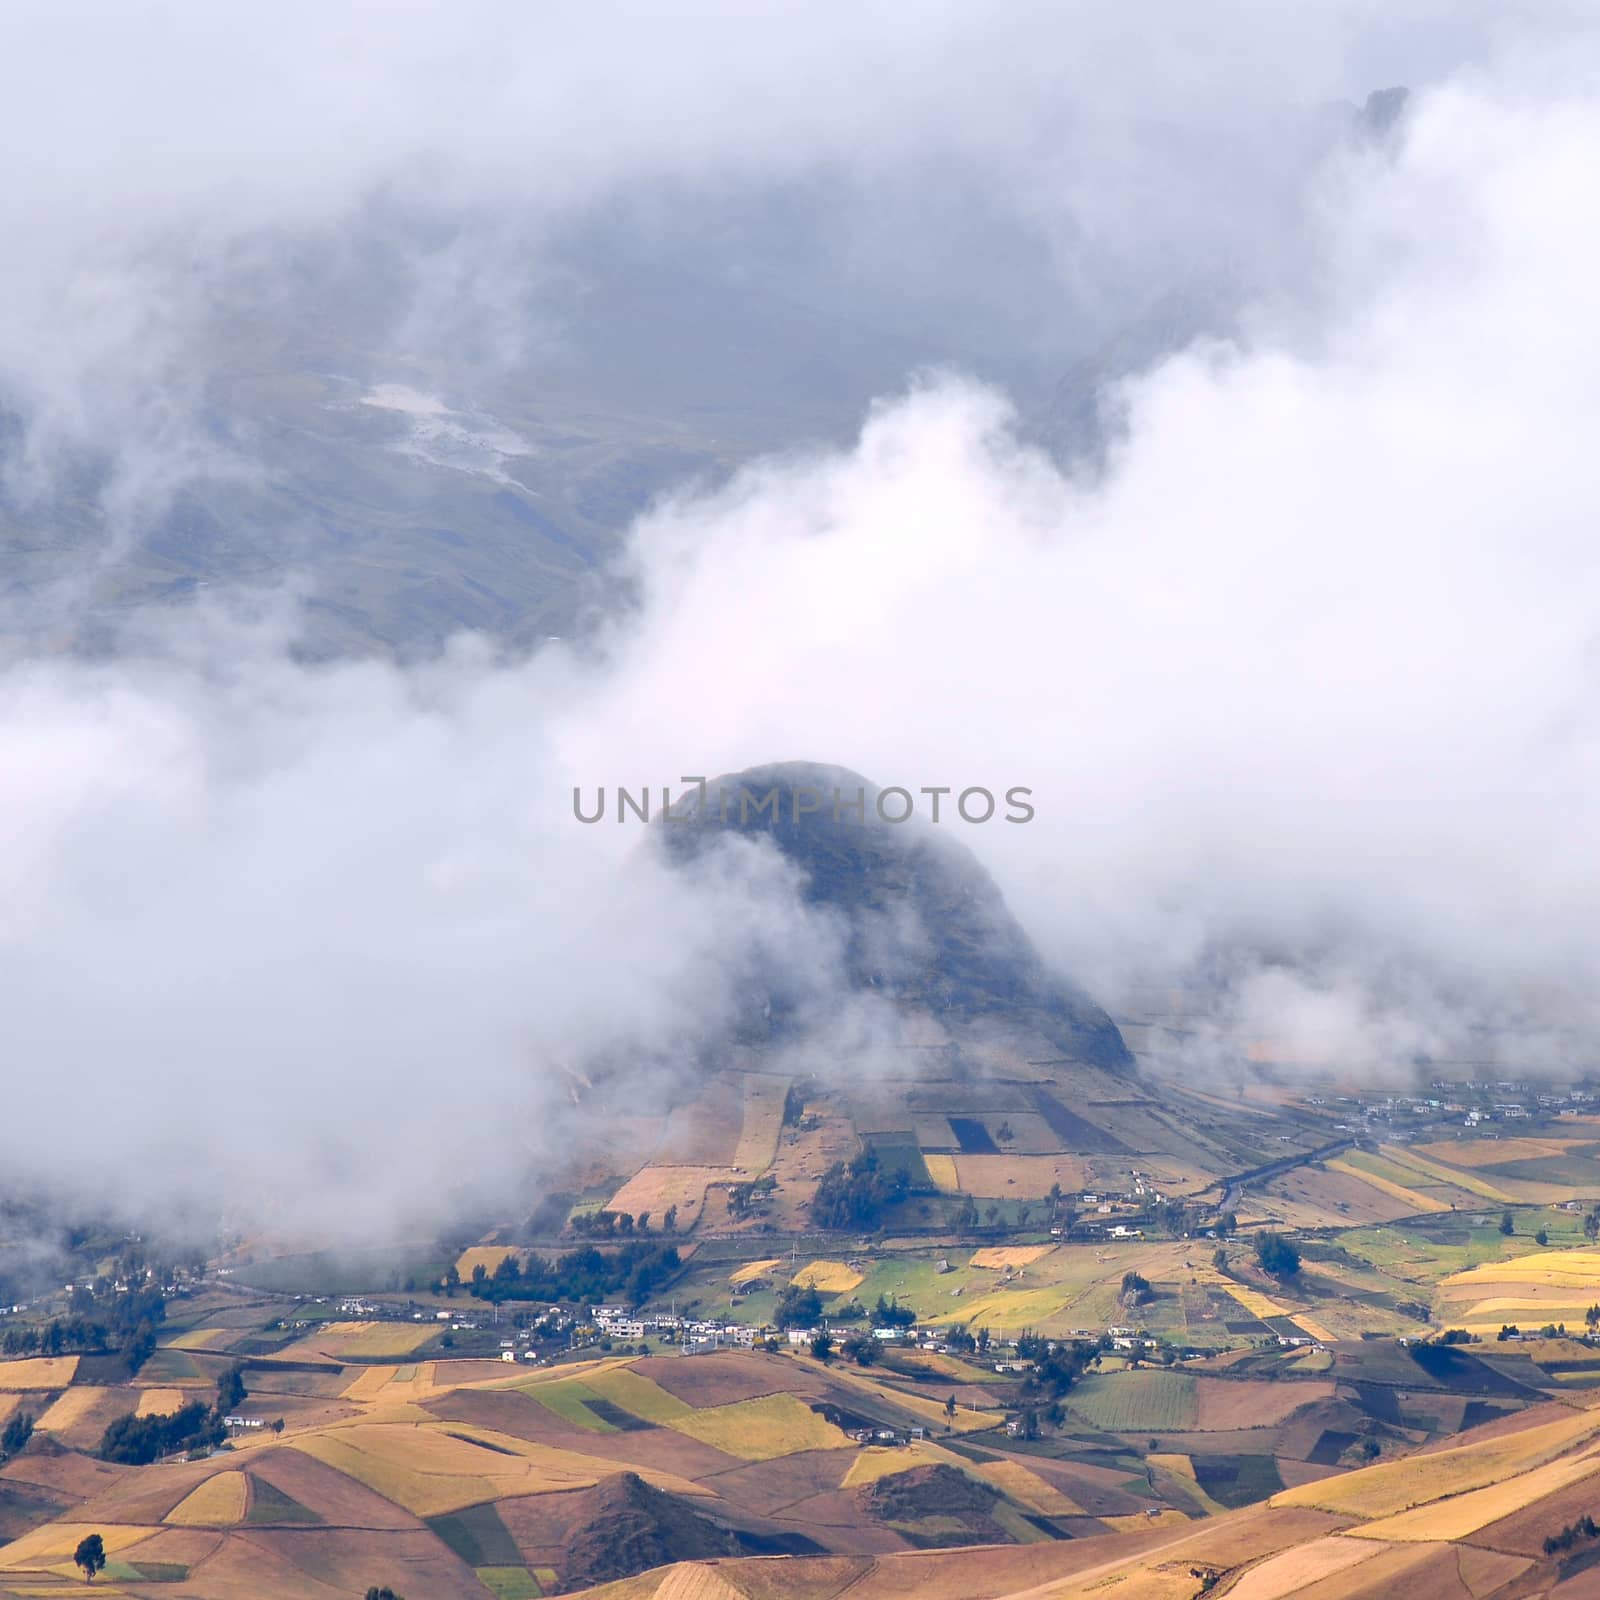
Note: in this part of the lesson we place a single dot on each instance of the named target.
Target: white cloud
(1309, 671)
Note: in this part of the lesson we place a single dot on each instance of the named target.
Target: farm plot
(37, 1372)
(998, 1257)
(1141, 1400)
(55, 1542)
(657, 1188)
(1310, 1198)
(1414, 1200)
(1562, 1269)
(159, 1402)
(219, 1502)
(1227, 1403)
(828, 1277)
(572, 1401)
(1463, 1514)
(202, 1339)
(430, 1469)
(876, 1462)
(1419, 1166)
(761, 1430)
(1496, 1152)
(1008, 1177)
(753, 1269)
(1391, 1487)
(487, 1256)
(762, 1123)
(1292, 1572)
(340, 1341)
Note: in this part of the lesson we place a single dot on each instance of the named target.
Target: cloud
(202, 195)
(1303, 680)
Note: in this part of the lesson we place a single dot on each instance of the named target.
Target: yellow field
(1256, 1303)
(430, 1469)
(159, 1402)
(761, 1430)
(655, 1188)
(1461, 1514)
(1494, 1152)
(1137, 1522)
(875, 1462)
(38, 1372)
(1410, 1197)
(72, 1407)
(931, 1411)
(1292, 1571)
(1310, 1325)
(1391, 1487)
(691, 1581)
(217, 1503)
(754, 1269)
(57, 1540)
(828, 1277)
(763, 1122)
(1565, 1269)
(201, 1338)
(1407, 1157)
(1029, 1488)
(942, 1169)
(487, 1256)
(1007, 1310)
(1001, 1256)
(351, 1339)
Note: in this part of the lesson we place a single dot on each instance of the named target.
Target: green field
(569, 1400)
(1138, 1401)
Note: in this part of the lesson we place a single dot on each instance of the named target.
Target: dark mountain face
(922, 923)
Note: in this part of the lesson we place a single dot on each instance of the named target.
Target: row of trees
(853, 1195)
(137, 1441)
(123, 1323)
(581, 1276)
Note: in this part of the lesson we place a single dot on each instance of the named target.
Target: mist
(1299, 664)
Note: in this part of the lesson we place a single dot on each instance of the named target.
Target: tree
(1219, 1259)
(798, 1308)
(822, 1345)
(669, 1220)
(1541, 1238)
(230, 1389)
(854, 1195)
(1591, 1317)
(384, 1592)
(861, 1348)
(950, 1407)
(1276, 1255)
(1135, 1289)
(1591, 1225)
(1508, 1225)
(90, 1555)
(18, 1431)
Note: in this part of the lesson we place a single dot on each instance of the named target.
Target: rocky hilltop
(922, 921)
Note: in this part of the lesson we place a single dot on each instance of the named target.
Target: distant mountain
(923, 923)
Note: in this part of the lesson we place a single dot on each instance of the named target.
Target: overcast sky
(1304, 680)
